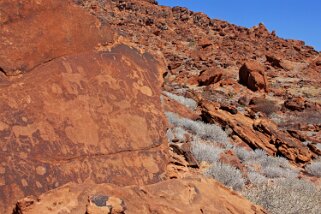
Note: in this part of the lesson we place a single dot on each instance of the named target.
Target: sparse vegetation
(242, 153)
(203, 130)
(176, 133)
(256, 178)
(228, 175)
(273, 182)
(170, 135)
(271, 167)
(277, 172)
(314, 168)
(190, 103)
(206, 152)
(179, 133)
(286, 196)
(266, 106)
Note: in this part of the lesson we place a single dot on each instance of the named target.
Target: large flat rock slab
(189, 195)
(94, 116)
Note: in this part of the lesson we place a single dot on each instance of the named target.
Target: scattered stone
(204, 43)
(229, 108)
(210, 76)
(244, 100)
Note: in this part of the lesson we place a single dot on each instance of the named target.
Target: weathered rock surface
(50, 29)
(189, 195)
(92, 116)
(259, 133)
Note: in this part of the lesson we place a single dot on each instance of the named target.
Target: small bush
(256, 178)
(203, 130)
(189, 103)
(205, 152)
(242, 153)
(266, 106)
(179, 133)
(227, 175)
(259, 153)
(314, 168)
(261, 157)
(170, 135)
(286, 196)
(278, 172)
(274, 161)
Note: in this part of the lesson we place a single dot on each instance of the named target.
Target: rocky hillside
(125, 106)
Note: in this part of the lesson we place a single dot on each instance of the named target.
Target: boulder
(295, 104)
(209, 76)
(252, 74)
(205, 42)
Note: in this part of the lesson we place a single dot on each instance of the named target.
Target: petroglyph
(90, 117)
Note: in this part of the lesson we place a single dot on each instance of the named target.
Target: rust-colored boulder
(204, 43)
(35, 32)
(252, 74)
(189, 195)
(184, 149)
(295, 104)
(205, 78)
(210, 76)
(93, 116)
(229, 157)
(274, 61)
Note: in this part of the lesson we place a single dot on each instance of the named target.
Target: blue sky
(291, 19)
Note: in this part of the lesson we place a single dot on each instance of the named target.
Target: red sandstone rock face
(95, 116)
(190, 195)
(35, 32)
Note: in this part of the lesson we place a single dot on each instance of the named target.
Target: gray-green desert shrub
(256, 178)
(286, 196)
(278, 172)
(314, 168)
(189, 103)
(242, 153)
(203, 130)
(205, 152)
(227, 175)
